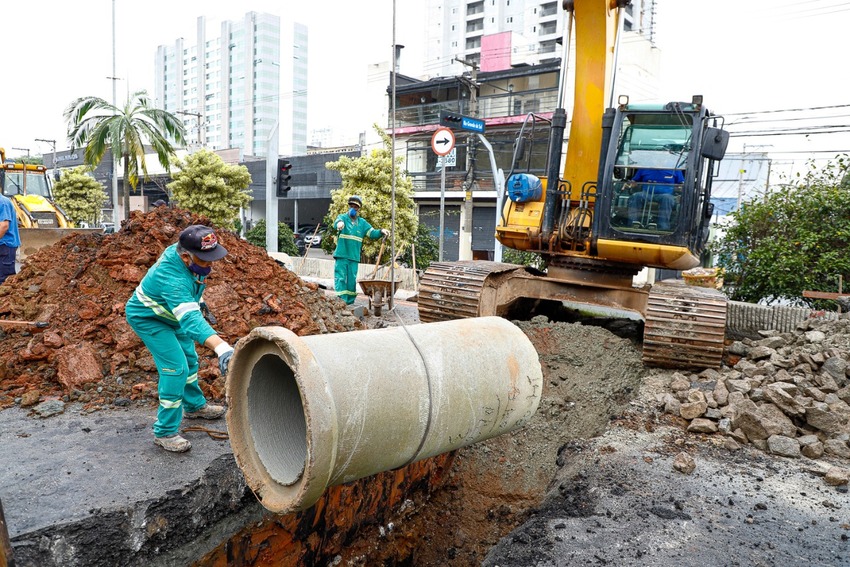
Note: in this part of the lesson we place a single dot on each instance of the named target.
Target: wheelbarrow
(379, 291)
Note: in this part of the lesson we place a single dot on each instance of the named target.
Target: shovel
(36, 324)
(378, 261)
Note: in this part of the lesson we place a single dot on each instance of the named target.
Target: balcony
(473, 26)
(548, 28)
(549, 9)
(495, 106)
(475, 8)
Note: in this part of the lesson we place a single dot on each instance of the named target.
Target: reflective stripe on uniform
(170, 405)
(192, 378)
(184, 308)
(346, 292)
(154, 306)
(351, 237)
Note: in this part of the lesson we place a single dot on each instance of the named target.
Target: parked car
(314, 237)
(311, 234)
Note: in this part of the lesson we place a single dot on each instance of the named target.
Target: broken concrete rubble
(787, 393)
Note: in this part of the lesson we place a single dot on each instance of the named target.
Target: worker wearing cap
(165, 312)
(10, 241)
(352, 229)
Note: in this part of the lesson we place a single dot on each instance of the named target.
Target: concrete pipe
(306, 413)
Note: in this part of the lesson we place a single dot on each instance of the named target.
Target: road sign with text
(456, 120)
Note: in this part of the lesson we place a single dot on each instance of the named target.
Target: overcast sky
(749, 58)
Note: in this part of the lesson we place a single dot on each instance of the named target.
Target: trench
(453, 508)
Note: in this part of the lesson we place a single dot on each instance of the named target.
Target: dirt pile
(88, 353)
(787, 393)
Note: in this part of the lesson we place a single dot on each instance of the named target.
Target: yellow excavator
(41, 222)
(634, 192)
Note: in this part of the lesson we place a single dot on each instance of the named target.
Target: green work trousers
(345, 279)
(177, 364)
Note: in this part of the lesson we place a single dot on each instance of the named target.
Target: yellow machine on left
(41, 222)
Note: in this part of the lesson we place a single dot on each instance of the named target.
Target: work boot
(207, 411)
(173, 443)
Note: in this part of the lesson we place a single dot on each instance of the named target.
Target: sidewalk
(76, 478)
(320, 271)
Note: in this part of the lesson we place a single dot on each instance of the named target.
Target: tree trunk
(126, 186)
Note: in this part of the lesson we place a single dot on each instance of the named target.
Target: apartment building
(236, 81)
(506, 33)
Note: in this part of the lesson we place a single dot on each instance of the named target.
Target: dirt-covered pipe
(306, 413)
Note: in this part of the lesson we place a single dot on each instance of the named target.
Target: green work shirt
(170, 294)
(350, 239)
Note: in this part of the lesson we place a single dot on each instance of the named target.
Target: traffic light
(450, 119)
(283, 177)
(457, 120)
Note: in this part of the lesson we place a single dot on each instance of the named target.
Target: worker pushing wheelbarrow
(352, 230)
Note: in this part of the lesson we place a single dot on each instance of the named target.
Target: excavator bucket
(34, 238)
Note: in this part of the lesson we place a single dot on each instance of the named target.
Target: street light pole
(52, 143)
(23, 150)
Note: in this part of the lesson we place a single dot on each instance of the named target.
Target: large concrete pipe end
(311, 412)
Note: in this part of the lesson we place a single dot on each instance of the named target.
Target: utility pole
(465, 234)
(116, 221)
(52, 143)
(197, 115)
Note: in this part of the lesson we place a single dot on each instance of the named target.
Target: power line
(775, 111)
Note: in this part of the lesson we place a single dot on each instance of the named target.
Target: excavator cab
(655, 176)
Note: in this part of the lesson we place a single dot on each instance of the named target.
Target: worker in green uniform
(352, 229)
(165, 312)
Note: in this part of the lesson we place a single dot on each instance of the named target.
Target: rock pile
(786, 393)
(88, 353)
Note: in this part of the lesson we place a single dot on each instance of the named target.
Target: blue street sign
(457, 120)
(472, 124)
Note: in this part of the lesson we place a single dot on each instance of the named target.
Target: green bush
(427, 249)
(285, 238)
(789, 241)
(523, 258)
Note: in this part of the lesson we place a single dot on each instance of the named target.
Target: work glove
(385, 232)
(224, 351)
(340, 225)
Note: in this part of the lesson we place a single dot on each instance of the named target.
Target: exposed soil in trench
(590, 375)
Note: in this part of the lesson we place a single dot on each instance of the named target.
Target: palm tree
(99, 126)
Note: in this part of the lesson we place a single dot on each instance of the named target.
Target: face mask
(352, 212)
(199, 270)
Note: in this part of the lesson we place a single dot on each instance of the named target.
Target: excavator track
(452, 290)
(685, 326)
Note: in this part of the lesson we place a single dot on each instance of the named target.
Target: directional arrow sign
(443, 141)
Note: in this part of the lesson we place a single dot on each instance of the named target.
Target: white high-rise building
(506, 33)
(231, 88)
